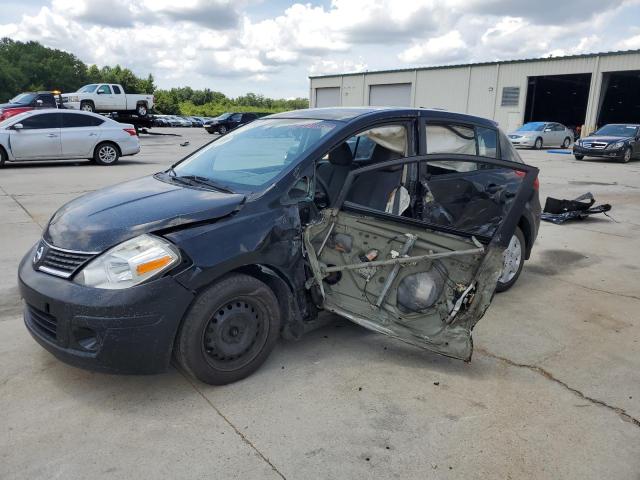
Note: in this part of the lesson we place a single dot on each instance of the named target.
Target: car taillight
(536, 182)
(131, 131)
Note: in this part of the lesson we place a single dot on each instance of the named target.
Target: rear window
(71, 120)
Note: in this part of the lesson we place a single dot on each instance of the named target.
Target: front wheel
(579, 157)
(626, 158)
(106, 154)
(87, 107)
(222, 129)
(229, 331)
(513, 261)
(538, 144)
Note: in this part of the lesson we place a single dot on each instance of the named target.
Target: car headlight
(130, 263)
(615, 146)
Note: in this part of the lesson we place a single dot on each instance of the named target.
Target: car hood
(608, 139)
(106, 217)
(12, 105)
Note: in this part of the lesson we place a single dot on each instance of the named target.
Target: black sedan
(403, 221)
(615, 141)
(229, 121)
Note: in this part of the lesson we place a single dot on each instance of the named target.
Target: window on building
(510, 96)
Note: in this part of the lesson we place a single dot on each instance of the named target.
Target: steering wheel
(321, 195)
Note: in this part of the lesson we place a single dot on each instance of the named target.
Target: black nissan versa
(400, 220)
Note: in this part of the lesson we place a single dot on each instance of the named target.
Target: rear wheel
(229, 331)
(513, 261)
(141, 110)
(538, 143)
(626, 158)
(579, 157)
(106, 154)
(87, 106)
(566, 143)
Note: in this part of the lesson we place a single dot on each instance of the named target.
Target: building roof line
(478, 64)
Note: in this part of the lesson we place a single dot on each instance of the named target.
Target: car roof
(347, 114)
(40, 111)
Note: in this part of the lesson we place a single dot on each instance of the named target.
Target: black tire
(538, 144)
(3, 157)
(578, 157)
(141, 110)
(222, 129)
(235, 307)
(628, 155)
(87, 106)
(506, 285)
(566, 143)
(106, 153)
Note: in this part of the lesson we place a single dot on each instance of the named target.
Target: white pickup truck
(107, 97)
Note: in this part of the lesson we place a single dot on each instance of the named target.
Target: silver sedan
(541, 134)
(53, 134)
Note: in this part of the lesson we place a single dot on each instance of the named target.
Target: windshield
(223, 116)
(88, 88)
(618, 130)
(531, 127)
(23, 98)
(250, 157)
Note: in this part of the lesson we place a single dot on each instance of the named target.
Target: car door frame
(89, 135)
(484, 279)
(52, 133)
(104, 101)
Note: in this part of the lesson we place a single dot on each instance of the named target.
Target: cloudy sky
(271, 47)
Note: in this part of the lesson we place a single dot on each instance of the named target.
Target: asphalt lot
(553, 390)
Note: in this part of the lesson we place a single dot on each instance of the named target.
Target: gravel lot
(553, 390)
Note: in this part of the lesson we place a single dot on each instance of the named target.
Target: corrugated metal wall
(477, 89)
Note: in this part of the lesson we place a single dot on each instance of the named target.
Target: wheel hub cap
(233, 331)
(511, 260)
(107, 154)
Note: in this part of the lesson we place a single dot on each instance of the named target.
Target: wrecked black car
(399, 220)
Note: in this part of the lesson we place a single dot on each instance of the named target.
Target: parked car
(27, 101)
(539, 134)
(249, 238)
(53, 134)
(195, 121)
(617, 141)
(107, 97)
(228, 121)
(161, 121)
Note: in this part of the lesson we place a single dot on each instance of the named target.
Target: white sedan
(53, 134)
(541, 134)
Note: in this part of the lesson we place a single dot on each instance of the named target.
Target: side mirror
(39, 103)
(547, 129)
(17, 126)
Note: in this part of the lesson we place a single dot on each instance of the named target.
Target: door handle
(52, 135)
(93, 134)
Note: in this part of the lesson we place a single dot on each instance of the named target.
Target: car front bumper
(118, 331)
(522, 142)
(600, 152)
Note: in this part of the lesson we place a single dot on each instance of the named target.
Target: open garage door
(619, 98)
(391, 95)
(558, 98)
(328, 97)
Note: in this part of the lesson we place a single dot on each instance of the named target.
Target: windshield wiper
(196, 179)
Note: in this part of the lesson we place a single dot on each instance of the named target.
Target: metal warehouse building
(589, 90)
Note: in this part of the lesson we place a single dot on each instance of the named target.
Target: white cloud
(445, 47)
